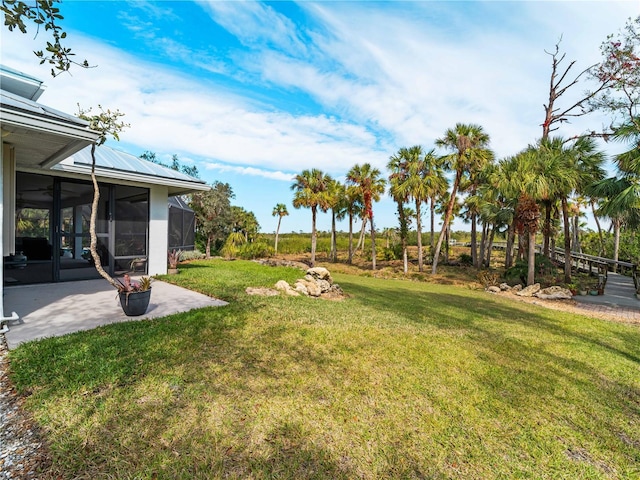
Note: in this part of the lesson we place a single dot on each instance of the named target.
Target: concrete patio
(55, 309)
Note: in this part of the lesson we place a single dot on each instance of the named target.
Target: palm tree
(437, 185)
(476, 177)
(527, 219)
(469, 144)
(399, 195)
(417, 179)
(369, 186)
(568, 169)
(280, 210)
(505, 179)
(621, 194)
(337, 203)
(353, 209)
(311, 191)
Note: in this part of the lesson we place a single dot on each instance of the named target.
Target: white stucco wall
(158, 225)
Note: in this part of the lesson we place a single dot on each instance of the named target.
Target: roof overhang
(41, 141)
(175, 187)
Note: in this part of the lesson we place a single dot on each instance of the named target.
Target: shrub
(387, 254)
(488, 278)
(466, 259)
(249, 251)
(192, 255)
(544, 268)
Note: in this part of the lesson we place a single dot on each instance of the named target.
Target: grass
(401, 380)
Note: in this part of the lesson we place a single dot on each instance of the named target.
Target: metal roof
(16, 102)
(115, 160)
(20, 83)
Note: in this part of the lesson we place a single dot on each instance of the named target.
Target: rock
(316, 283)
(493, 289)
(324, 285)
(282, 263)
(286, 288)
(554, 293)
(320, 273)
(301, 287)
(529, 291)
(516, 288)
(265, 292)
(313, 289)
(504, 287)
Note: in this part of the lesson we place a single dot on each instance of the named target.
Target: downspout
(4, 328)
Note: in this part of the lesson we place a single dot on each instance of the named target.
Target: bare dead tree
(560, 82)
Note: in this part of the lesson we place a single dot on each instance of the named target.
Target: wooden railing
(582, 261)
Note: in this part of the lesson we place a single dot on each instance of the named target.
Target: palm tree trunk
(403, 236)
(483, 244)
(492, 229)
(360, 244)
(616, 242)
(600, 235)
(577, 247)
(277, 232)
(405, 259)
(350, 257)
(446, 246)
(445, 223)
(474, 242)
(567, 241)
(531, 260)
(511, 236)
(314, 236)
(546, 228)
(432, 210)
(334, 248)
(373, 244)
(419, 229)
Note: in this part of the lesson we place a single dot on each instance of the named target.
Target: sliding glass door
(52, 230)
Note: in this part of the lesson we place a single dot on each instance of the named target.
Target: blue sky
(253, 93)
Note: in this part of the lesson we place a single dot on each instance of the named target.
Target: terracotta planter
(135, 304)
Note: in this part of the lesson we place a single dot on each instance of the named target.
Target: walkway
(618, 298)
(55, 309)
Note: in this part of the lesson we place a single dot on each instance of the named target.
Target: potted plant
(134, 295)
(582, 290)
(573, 288)
(173, 257)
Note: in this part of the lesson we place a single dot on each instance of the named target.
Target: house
(46, 195)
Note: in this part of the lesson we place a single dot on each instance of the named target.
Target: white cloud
(257, 172)
(382, 76)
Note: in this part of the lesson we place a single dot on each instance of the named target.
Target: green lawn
(401, 380)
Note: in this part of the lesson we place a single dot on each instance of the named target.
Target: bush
(249, 251)
(192, 255)
(544, 268)
(466, 259)
(488, 279)
(387, 254)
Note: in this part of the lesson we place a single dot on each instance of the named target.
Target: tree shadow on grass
(182, 396)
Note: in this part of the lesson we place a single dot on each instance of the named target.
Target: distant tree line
(544, 188)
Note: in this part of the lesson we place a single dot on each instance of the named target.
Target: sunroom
(46, 195)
